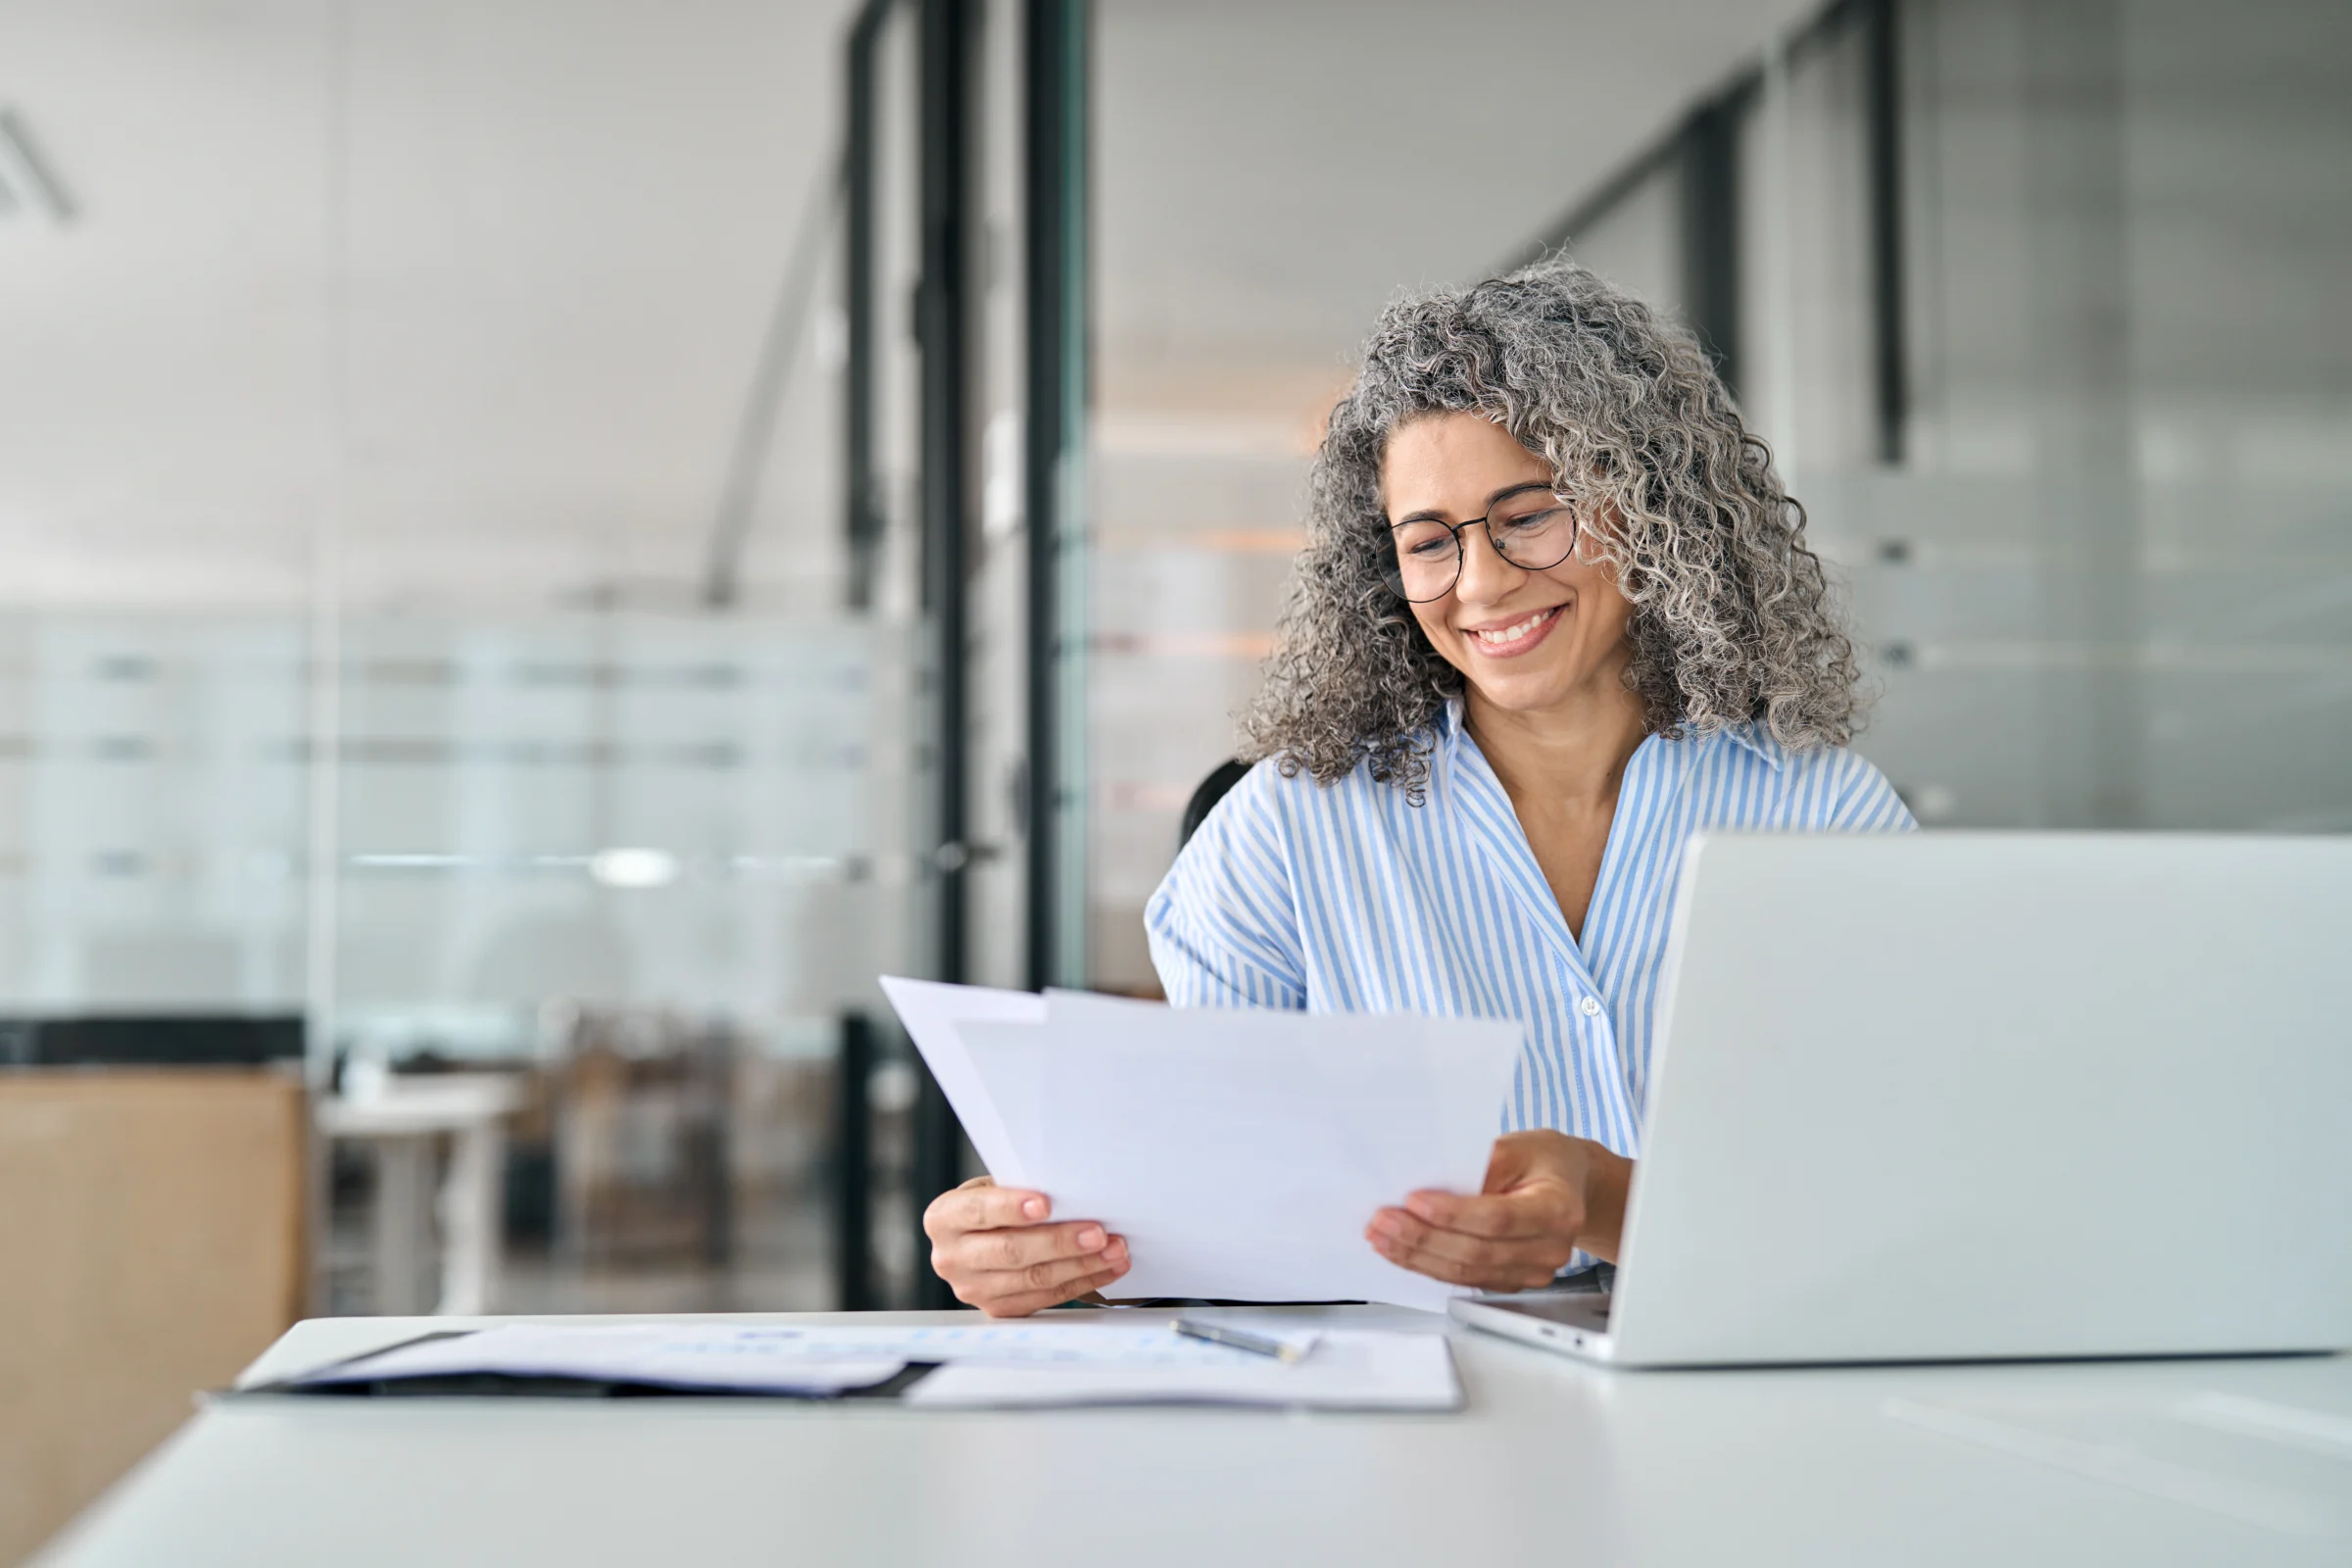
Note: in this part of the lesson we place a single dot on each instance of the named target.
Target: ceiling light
(633, 868)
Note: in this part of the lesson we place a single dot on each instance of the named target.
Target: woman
(1555, 614)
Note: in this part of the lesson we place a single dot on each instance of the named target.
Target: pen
(1255, 1343)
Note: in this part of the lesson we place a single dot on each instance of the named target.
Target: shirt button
(1590, 1006)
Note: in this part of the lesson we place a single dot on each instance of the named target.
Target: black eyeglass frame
(1392, 566)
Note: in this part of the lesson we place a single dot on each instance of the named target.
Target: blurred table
(405, 1121)
(2239, 1462)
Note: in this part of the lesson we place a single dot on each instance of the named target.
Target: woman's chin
(1521, 691)
(1544, 684)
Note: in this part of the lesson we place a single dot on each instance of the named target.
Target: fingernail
(1386, 1227)
(1116, 1252)
(1091, 1239)
(1032, 1209)
(1418, 1206)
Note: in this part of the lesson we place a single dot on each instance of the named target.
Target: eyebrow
(1430, 513)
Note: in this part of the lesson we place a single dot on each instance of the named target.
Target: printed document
(675, 1356)
(1241, 1153)
(1346, 1370)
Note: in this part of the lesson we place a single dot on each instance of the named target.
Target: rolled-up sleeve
(1224, 926)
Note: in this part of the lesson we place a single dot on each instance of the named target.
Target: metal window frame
(1884, 122)
(862, 518)
(1708, 163)
(948, 134)
(1055, 311)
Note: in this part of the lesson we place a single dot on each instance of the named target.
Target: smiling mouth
(1517, 637)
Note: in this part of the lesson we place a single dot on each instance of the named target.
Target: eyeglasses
(1532, 530)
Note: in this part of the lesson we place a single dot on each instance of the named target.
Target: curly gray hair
(1732, 618)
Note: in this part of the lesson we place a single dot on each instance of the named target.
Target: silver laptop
(1962, 1096)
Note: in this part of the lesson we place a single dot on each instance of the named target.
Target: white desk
(1552, 1462)
(405, 1122)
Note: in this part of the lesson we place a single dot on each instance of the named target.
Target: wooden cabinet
(151, 1243)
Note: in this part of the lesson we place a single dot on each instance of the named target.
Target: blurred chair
(1205, 798)
(151, 1243)
(641, 1142)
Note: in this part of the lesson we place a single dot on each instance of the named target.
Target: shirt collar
(1746, 734)
(1453, 724)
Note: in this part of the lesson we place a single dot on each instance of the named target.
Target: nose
(1486, 575)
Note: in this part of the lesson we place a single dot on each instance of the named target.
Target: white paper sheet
(1011, 1060)
(932, 1013)
(1346, 1370)
(1241, 1153)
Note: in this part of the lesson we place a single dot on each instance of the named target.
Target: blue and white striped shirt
(1353, 899)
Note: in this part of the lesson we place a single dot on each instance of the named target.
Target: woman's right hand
(993, 1243)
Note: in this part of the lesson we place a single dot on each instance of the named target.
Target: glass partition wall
(429, 646)
(2033, 303)
(627, 780)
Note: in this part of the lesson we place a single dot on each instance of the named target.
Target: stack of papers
(1131, 1360)
(662, 1355)
(1241, 1153)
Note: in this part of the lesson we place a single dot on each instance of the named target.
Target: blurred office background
(2038, 304)
(544, 543)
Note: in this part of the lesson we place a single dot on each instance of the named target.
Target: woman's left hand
(1546, 1194)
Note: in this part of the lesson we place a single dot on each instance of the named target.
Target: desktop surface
(2149, 1462)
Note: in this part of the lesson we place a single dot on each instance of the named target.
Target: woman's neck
(1572, 755)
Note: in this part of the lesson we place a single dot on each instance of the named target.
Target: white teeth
(1512, 633)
